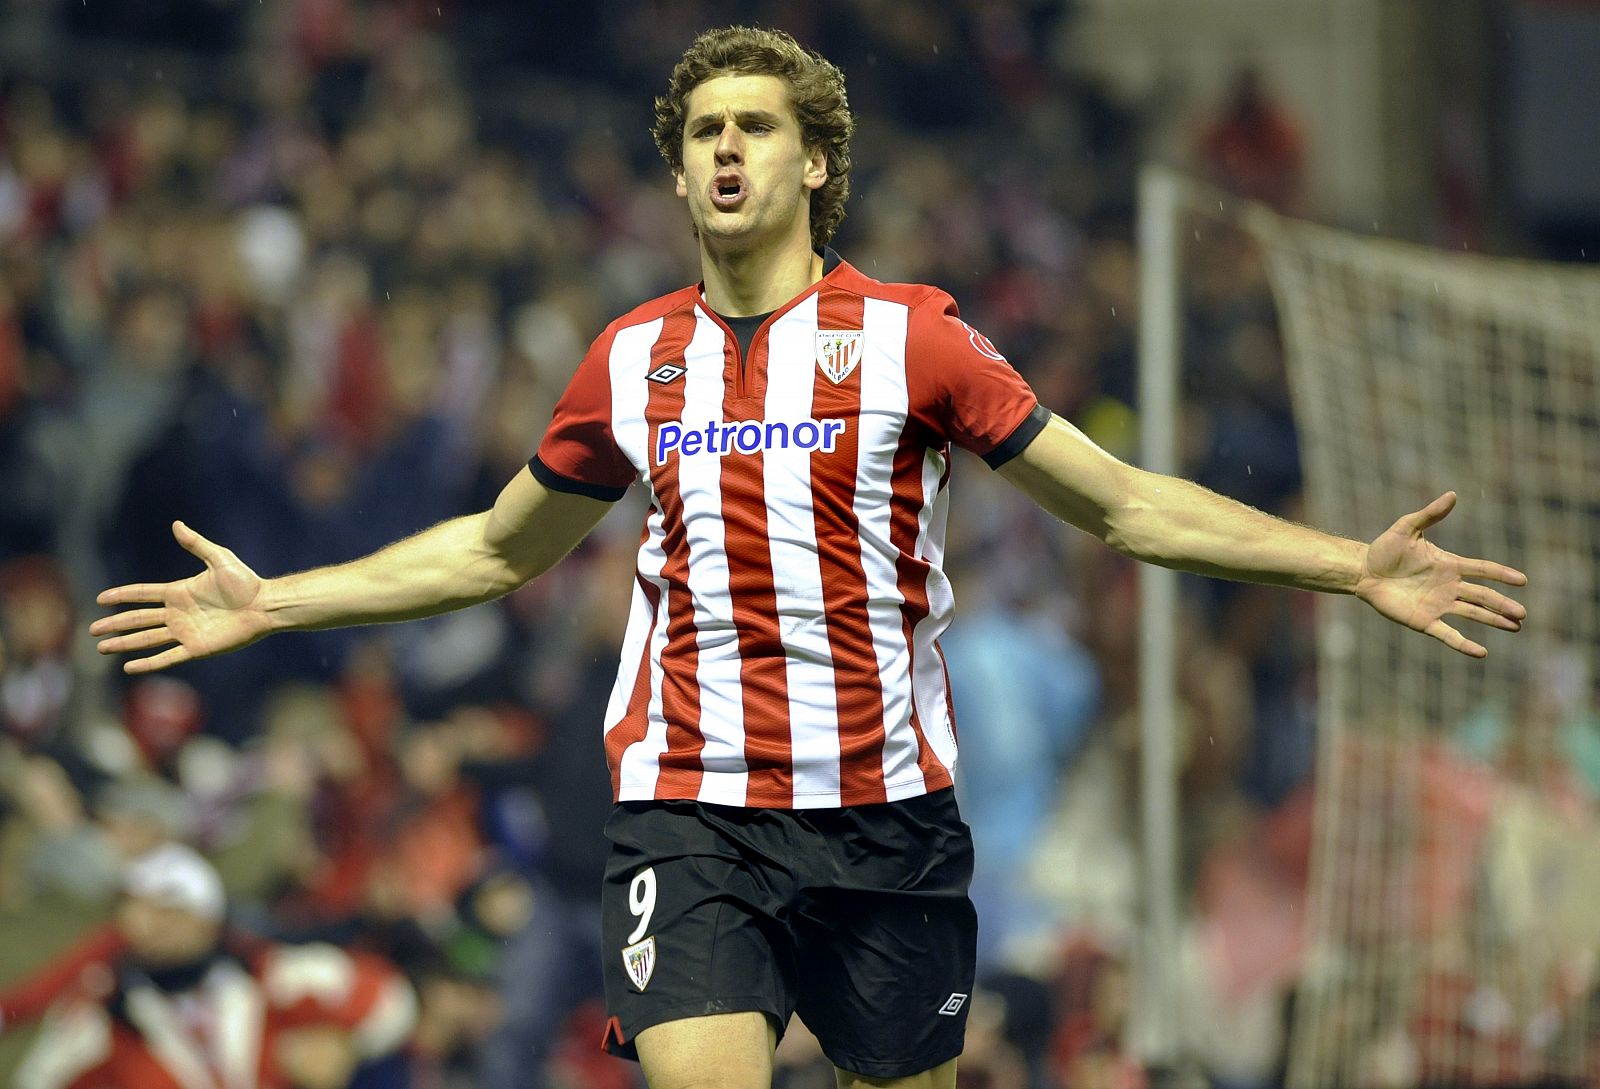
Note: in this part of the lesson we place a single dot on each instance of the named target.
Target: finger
(1430, 515)
(128, 621)
(205, 551)
(174, 656)
(1455, 640)
(139, 640)
(1488, 569)
(1468, 611)
(1492, 599)
(132, 593)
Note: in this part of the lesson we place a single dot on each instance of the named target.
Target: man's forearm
(1177, 523)
(449, 566)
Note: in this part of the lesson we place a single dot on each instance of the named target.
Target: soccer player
(779, 736)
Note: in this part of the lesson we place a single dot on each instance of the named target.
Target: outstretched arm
(1179, 524)
(464, 561)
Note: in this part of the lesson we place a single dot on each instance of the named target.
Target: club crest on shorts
(640, 961)
(838, 352)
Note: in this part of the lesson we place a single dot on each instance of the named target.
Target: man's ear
(816, 169)
(680, 184)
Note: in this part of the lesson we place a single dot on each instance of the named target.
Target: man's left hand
(1414, 582)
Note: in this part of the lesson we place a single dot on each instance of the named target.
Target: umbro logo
(952, 1005)
(665, 373)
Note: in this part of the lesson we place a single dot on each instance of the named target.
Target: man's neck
(757, 281)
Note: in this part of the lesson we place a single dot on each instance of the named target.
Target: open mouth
(728, 192)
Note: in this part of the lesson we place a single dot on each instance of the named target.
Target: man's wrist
(270, 604)
(1361, 575)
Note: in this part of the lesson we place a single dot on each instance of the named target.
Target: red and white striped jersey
(782, 646)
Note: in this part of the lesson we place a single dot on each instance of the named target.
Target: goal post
(1156, 1014)
(1455, 889)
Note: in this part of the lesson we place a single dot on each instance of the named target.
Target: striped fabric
(782, 646)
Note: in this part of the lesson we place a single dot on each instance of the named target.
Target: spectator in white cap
(169, 1000)
(171, 914)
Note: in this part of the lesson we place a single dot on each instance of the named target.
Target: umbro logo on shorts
(746, 437)
(952, 1005)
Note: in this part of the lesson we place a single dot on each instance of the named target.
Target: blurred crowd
(310, 274)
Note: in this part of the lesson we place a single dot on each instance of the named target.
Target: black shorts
(856, 918)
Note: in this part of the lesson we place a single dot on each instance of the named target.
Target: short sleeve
(579, 453)
(963, 390)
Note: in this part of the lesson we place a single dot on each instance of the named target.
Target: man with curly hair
(785, 838)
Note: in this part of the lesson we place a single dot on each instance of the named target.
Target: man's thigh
(721, 1051)
(942, 1076)
(734, 1051)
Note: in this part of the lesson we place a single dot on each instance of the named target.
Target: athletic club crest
(640, 961)
(838, 352)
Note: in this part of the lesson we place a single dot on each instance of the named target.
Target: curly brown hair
(816, 95)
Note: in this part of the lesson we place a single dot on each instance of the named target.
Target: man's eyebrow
(765, 117)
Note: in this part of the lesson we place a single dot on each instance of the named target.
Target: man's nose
(729, 146)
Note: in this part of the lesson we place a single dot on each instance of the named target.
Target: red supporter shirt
(782, 645)
(224, 1032)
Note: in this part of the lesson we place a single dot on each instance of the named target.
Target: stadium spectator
(1025, 694)
(166, 1001)
(1253, 146)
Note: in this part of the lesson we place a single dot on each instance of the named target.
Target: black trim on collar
(830, 260)
(744, 329)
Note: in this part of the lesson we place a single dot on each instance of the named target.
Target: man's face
(746, 175)
(163, 936)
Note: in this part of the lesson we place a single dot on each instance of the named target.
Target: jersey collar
(831, 261)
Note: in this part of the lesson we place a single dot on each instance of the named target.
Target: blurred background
(309, 274)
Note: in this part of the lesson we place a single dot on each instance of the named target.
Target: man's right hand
(213, 612)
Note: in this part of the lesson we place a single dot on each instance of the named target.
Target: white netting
(1456, 873)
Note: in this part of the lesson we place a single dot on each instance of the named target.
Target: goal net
(1456, 873)
(1455, 890)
